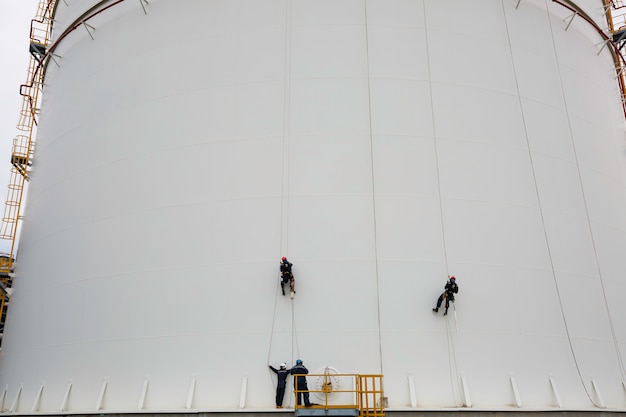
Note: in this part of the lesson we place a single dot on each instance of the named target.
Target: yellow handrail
(361, 392)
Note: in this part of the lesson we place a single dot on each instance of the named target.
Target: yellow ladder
(23, 144)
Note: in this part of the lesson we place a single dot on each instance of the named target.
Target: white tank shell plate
(381, 145)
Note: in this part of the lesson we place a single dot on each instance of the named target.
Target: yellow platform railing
(361, 392)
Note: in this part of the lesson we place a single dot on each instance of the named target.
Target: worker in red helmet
(448, 294)
(286, 276)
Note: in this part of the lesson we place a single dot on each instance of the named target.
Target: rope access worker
(302, 390)
(286, 276)
(282, 373)
(448, 293)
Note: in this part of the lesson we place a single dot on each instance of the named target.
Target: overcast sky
(15, 17)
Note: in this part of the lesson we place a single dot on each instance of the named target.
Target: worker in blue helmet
(302, 390)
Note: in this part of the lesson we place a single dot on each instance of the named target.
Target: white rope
(371, 138)
(451, 361)
(435, 148)
(284, 224)
(530, 157)
(284, 207)
(294, 332)
(269, 349)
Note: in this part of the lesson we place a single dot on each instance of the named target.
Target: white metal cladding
(381, 145)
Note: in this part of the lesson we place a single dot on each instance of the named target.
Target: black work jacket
(282, 375)
(285, 268)
(451, 288)
(299, 372)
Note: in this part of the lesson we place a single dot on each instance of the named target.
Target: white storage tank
(185, 146)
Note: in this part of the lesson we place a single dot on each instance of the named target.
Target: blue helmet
(299, 362)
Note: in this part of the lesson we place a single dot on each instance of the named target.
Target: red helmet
(284, 258)
(452, 278)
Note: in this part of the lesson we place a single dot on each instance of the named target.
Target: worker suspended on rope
(282, 373)
(286, 276)
(448, 294)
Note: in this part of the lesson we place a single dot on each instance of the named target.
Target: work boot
(445, 313)
(436, 309)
